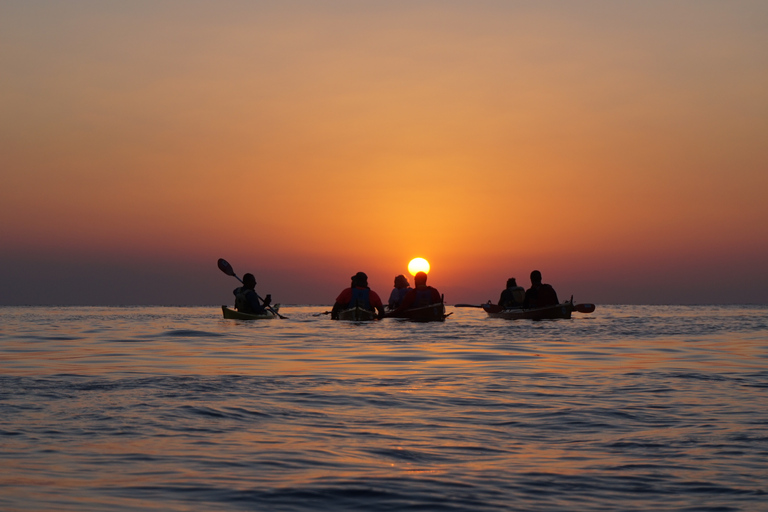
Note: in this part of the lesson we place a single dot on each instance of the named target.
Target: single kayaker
(513, 296)
(398, 292)
(358, 294)
(539, 295)
(421, 295)
(246, 298)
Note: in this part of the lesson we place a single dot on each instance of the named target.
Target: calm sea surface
(160, 408)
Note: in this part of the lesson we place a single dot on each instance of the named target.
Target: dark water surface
(630, 408)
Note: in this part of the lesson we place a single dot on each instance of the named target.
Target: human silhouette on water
(513, 295)
(358, 294)
(539, 295)
(421, 295)
(246, 298)
(398, 292)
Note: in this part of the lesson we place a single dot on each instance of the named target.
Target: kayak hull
(431, 313)
(356, 314)
(233, 314)
(558, 311)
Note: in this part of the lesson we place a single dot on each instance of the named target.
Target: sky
(617, 147)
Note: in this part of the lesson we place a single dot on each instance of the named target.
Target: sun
(418, 265)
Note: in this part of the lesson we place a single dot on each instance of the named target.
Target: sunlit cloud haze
(618, 147)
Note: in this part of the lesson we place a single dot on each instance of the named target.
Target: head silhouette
(249, 281)
(360, 280)
(511, 282)
(536, 277)
(420, 278)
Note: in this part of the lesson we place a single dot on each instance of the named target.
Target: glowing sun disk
(418, 265)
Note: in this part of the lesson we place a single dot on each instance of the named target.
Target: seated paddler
(512, 296)
(246, 298)
(358, 295)
(420, 296)
(539, 295)
(398, 292)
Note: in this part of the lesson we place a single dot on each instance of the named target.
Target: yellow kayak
(356, 314)
(237, 315)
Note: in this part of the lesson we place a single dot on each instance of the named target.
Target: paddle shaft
(581, 308)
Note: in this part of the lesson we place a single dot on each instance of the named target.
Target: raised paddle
(225, 267)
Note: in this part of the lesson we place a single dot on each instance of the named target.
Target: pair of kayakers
(403, 298)
(539, 295)
(420, 296)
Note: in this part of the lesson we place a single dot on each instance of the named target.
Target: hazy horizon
(617, 147)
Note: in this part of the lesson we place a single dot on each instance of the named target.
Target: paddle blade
(492, 308)
(225, 267)
(584, 308)
(468, 305)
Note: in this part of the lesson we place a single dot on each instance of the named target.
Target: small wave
(402, 454)
(44, 338)
(189, 333)
(230, 413)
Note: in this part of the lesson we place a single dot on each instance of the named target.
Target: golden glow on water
(178, 398)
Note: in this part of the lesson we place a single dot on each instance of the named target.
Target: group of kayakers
(403, 298)
(539, 295)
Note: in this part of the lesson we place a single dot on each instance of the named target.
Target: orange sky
(618, 147)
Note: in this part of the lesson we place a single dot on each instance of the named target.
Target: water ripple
(635, 408)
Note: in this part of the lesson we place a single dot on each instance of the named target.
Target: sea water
(177, 409)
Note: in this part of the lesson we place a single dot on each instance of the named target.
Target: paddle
(321, 314)
(581, 308)
(225, 267)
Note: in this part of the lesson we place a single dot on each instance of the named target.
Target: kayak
(356, 314)
(558, 311)
(430, 313)
(234, 314)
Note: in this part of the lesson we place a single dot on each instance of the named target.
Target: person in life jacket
(358, 294)
(513, 296)
(420, 296)
(398, 292)
(539, 295)
(246, 298)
